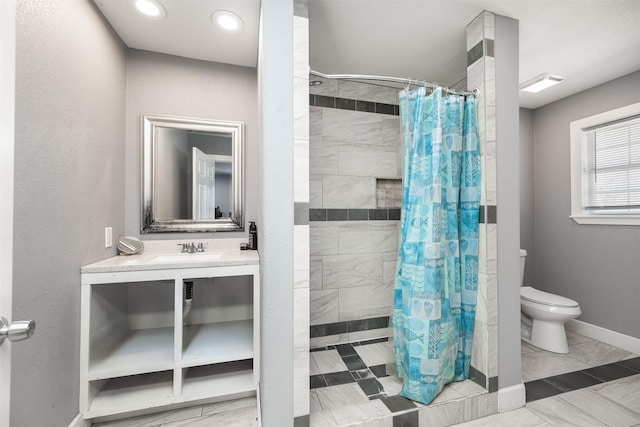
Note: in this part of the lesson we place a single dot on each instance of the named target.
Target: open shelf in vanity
(139, 352)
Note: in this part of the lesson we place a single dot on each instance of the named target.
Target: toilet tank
(523, 256)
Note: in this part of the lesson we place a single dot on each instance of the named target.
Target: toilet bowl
(544, 316)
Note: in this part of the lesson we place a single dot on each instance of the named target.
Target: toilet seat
(540, 297)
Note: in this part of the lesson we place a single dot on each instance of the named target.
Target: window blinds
(611, 167)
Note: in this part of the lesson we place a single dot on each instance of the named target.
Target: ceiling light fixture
(228, 21)
(541, 82)
(151, 9)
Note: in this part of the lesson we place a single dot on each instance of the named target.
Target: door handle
(16, 331)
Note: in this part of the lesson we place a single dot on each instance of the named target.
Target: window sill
(607, 219)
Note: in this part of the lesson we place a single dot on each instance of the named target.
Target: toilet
(543, 315)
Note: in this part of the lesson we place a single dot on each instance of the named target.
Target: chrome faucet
(191, 247)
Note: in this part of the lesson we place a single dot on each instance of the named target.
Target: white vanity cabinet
(138, 352)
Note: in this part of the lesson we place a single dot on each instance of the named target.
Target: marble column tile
(607, 411)
(323, 238)
(301, 47)
(352, 126)
(300, 171)
(482, 248)
(448, 413)
(492, 243)
(489, 25)
(369, 236)
(370, 334)
(301, 108)
(492, 299)
(475, 31)
(343, 271)
(391, 131)
(301, 309)
(315, 273)
(301, 383)
(479, 347)
(483, 180)
(559, 412)
(475, 76)
(490, 81)
(368, 160)
(301, 278)
(492, 352)
(363, 302)
(481, 301)
(324, 157)
(490, 123)
(329, 87)
(482, 125)
(348, 192)
(324, 307)
(315, 192)
(301, 247)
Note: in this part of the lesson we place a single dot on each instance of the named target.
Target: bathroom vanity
(139, 351)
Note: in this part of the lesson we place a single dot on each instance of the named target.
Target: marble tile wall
(352, 263)
(301, 264)
(481, 75)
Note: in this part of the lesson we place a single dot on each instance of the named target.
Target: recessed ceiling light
(151, 9)
(541, 82)
(228, 21)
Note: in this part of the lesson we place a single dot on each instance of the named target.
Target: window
(605, 168)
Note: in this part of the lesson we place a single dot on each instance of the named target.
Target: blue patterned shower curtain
(437, 274)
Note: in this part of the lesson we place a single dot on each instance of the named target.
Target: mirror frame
(149, 223)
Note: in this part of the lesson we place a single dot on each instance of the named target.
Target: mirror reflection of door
(211, 185)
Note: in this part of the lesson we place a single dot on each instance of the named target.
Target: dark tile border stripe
(353, 105)
(316, 214)
(301, 421)
(488, 214)
(328, 329)
(570, 381)
(300, 213)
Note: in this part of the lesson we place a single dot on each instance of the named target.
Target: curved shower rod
(475, 92)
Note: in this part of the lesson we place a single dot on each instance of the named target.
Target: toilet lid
(541, 297)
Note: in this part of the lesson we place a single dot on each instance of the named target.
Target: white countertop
(214, 256)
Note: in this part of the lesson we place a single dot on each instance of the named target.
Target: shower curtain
(437, 274)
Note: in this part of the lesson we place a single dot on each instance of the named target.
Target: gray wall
(527, 199)
(170, 85)
(69, 185)
(592, 264)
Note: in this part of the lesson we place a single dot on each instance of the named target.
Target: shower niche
(143, 346)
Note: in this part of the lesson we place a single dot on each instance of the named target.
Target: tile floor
(355, 385)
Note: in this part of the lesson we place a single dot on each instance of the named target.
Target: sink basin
(185, 257)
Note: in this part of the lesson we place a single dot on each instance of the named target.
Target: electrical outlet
(108, 237)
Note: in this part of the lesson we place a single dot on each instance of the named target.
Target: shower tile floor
(595, 384)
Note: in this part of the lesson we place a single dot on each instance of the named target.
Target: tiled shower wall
(354, 141)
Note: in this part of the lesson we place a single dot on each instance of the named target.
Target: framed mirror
(192, 173)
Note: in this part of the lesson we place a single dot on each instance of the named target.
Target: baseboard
(607, 336)
(78, 421)
(512, 397)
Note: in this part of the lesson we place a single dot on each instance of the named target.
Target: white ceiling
(588, 42)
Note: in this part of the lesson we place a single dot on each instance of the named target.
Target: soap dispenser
(253, 236)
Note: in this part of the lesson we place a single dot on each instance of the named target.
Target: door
(204, 185)
(7, 115)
